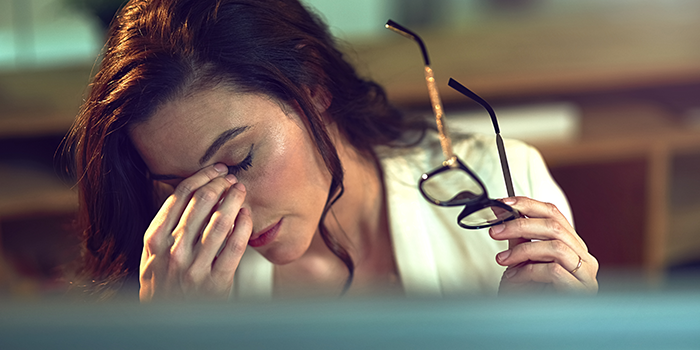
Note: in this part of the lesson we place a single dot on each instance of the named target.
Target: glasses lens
(487, 216)
(452, 187)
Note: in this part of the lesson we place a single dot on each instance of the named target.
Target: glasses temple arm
(393, 26)
(435, 101)
(499, 140)
(464, 91)
(504, 166)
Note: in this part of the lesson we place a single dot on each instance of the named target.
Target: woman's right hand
(179, 259)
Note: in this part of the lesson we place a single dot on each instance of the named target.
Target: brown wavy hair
(158, 50)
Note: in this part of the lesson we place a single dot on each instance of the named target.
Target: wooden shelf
(643, 138)
(28, 191)
(554, 55)
(40, 102)
(684, 235)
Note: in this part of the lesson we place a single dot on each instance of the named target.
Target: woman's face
(268, 150)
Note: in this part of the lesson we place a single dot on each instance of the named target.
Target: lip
(265, 236)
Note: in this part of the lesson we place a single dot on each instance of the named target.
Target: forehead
(207, 108)
(176, 136)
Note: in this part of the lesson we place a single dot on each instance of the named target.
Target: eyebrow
(221, 140)
(224, 137)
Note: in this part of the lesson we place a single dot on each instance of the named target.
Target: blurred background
(606, 89)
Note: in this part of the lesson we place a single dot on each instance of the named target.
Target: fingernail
(509, 200)
(511, 272)
(231, 178)
(221, 168)
(239, 186)
(498, 229)
(502, 256)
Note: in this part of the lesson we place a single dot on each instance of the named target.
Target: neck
(358, 221)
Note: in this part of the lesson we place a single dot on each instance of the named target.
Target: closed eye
(244, 165)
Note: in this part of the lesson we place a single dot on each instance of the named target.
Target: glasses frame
(471, 205)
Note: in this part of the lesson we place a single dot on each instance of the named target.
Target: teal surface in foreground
(617, 321)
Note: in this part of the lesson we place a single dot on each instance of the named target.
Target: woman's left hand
(543, 250)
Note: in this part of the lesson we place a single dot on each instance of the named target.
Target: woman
(227, 148)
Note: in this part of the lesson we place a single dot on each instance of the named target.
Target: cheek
(293, 174)
(274, 177)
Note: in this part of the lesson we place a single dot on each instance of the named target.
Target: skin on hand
(179, 259)
(543, 250)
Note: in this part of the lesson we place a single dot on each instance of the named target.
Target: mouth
(265, 236)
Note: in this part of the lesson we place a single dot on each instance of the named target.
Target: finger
(185, 189)
(549, 273)
(157, 238)
(584, 267)
(147, 272)
(531, 208)
(540, 251)
(527, 229)
(512, 243)
(226, 264)
(219, 227)
(199, 210)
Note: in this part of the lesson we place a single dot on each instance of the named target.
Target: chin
(281, 256)
(291, 244)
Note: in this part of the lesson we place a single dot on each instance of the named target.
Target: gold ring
(577, 266)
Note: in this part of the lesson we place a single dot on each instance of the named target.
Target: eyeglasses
(453, 183)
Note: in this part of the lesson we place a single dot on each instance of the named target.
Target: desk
(624, 321)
